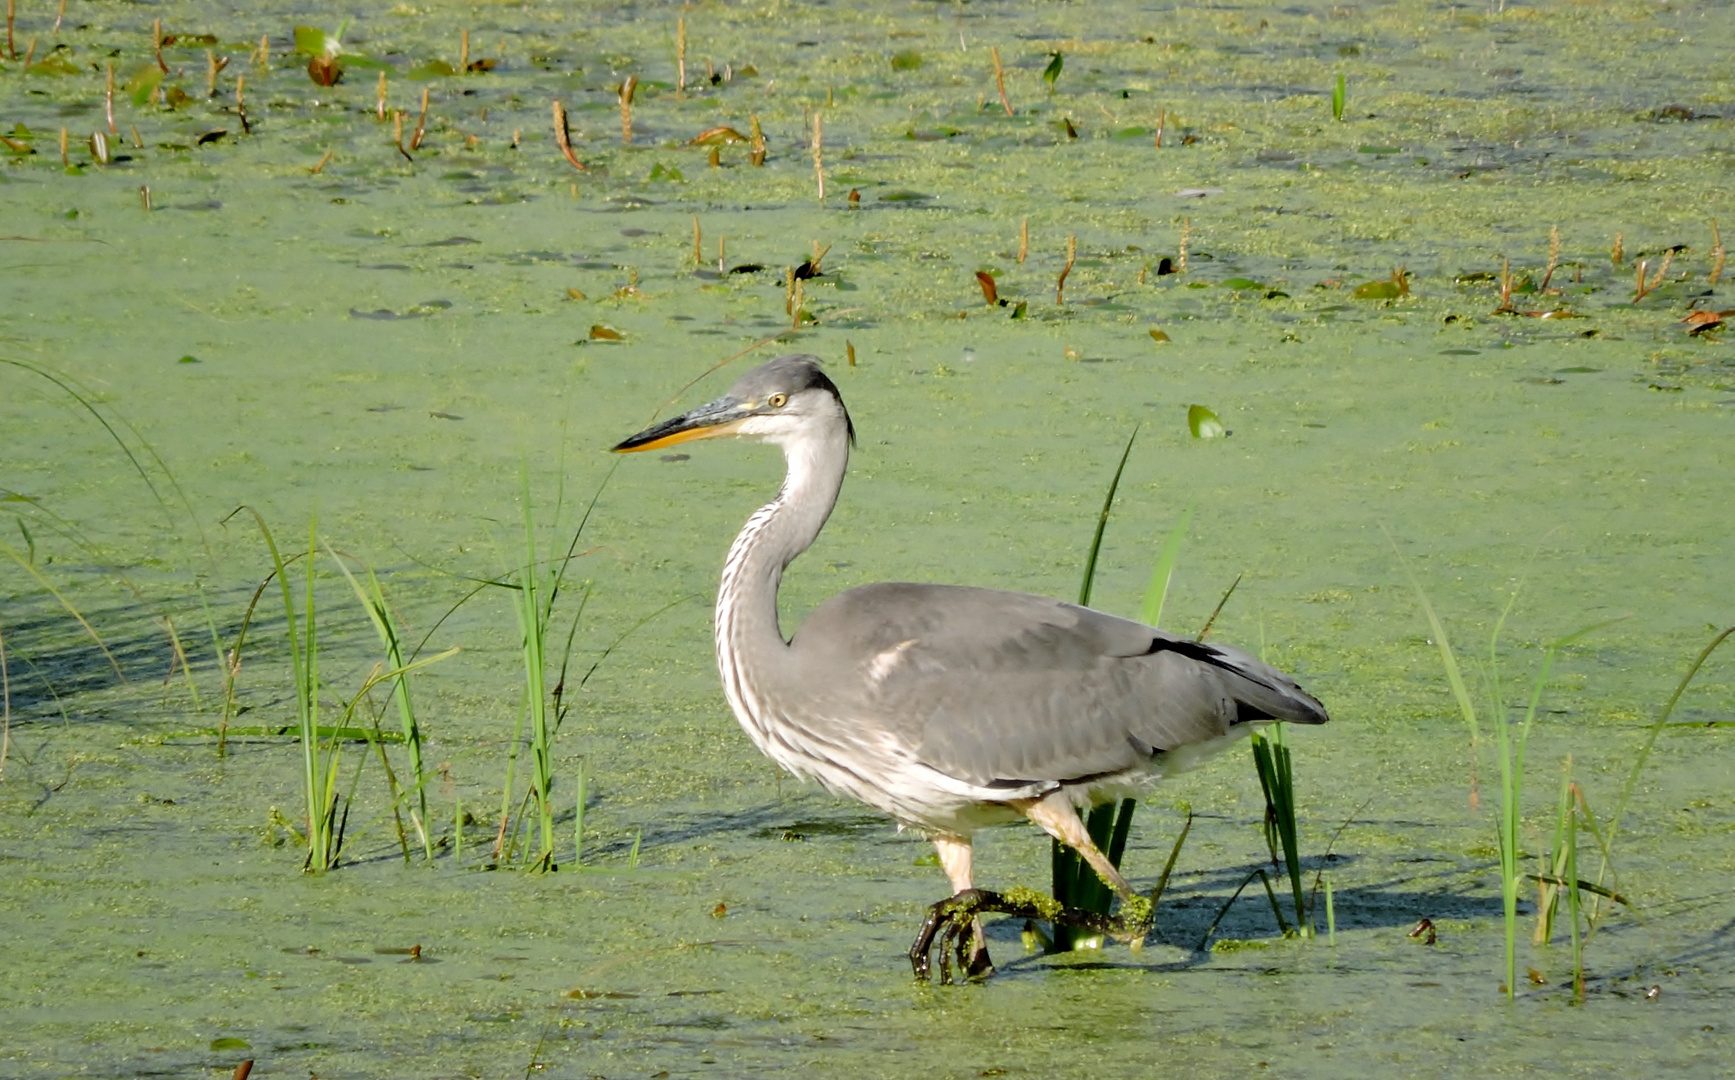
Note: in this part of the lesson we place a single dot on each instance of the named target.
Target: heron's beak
(719, 418)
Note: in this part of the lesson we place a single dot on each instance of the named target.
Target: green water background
(386, 341)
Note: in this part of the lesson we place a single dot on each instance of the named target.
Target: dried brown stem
(325, 159)
(1000, 79)
(1060, 285)
(145, 197)
(1718, 255)
(1181, 255)
(626, 98)
(11, 17)
(380, 98)
(818, 164)
(157, 44)
(1619, 254)
(421, 123)
(213, 66)
(1553, 257)
(1645, 286)
(241, 104)
(1023, 240)
(398, 133)
(108, 99)
(1505, 286)
(65, 161)
(563, 140)
(1162, 120)
(756, 150)
(59, 17)
(463, 51)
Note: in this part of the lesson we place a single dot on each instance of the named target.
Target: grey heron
(953, 708)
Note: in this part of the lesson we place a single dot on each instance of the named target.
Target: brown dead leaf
(990, 292)
(722, 135)
(599, 332)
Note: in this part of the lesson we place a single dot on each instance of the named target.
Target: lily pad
(1377, 290)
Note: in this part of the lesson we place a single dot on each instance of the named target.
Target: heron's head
(784, 401)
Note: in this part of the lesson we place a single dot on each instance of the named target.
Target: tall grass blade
(1277, 779)
(1157, 592)
(373, 601)
(1657, 725)
(1089, 581)
(29, 568)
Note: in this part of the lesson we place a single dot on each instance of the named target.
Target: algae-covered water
(307, 321)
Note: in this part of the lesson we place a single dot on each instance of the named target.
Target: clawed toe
(953, 922)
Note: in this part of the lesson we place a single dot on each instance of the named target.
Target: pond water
(299, 317)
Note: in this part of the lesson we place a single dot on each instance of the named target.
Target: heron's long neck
(749, 641)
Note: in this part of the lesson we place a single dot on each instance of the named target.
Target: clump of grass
(1277, 781)
(326, 807)
(1510, 741)
(1075, 884)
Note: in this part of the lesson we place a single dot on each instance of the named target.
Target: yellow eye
(777, 401)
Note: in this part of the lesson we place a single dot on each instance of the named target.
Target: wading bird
(953, 708)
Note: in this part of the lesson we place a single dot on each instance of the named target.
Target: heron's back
(1012, 693)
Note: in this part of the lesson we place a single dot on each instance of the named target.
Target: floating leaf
(188, 359)
(575, 294)
(188, 41)
(990, 292)
(230, 1042)
(906, 60)
(717, 136)
(312, 41)
(1158, 335)
(1241, 284)
(666, 173)
(1204, 423)
(599, 332)
(1052, 71)
(144, 83)
(55, 63)
(432, 69)
(176, 98)
(1377, 290)
(1019, 309)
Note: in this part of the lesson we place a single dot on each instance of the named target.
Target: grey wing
(1003, 689)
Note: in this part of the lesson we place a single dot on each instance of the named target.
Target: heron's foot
(953, 920)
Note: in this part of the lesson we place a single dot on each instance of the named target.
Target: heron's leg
(1055, 815)
(955, 857)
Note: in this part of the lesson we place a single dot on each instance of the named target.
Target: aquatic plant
(1075, 884)
(327, 808)
(1272, 762)
(1339, 94)
(1509, 746)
